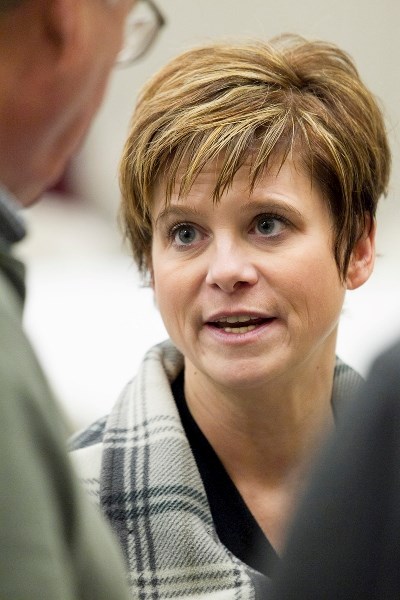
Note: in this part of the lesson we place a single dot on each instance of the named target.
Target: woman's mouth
(239, 323)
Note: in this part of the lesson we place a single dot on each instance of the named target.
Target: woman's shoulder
(89, 436)
(86, 453)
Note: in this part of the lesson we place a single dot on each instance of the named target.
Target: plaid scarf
(138, 465)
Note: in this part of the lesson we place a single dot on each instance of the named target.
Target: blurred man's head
(56, 59)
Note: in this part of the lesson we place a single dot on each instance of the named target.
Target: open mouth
(239, 323)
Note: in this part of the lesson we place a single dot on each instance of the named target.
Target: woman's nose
(231, 267)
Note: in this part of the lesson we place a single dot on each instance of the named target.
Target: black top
(235, 525)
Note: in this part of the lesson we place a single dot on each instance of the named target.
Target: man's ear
(363, 256)
(63, 20)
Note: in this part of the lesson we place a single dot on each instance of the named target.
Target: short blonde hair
(259, 99)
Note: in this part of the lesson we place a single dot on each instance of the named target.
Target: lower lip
(240, 338)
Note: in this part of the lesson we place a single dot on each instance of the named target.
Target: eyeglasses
(142, 26)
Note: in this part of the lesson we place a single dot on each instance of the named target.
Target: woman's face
(248, 288)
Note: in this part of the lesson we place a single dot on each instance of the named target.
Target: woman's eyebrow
(270, 205)
(190, 212)
(177, 212)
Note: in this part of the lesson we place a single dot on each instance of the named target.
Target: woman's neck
(263, 435)
(265, 438)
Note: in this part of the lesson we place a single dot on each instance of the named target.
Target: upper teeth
(237, 319)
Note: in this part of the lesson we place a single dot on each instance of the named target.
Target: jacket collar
(12, 228)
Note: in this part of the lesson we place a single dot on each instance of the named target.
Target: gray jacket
(54, 545)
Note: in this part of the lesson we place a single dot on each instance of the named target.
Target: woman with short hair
(250, 180)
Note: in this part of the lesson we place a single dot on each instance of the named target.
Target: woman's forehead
(204, 183)
(281, 186)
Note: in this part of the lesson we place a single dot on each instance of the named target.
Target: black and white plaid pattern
(149, 486)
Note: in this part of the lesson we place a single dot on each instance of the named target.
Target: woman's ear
(149, 272)
(362, 257)
(151, 280)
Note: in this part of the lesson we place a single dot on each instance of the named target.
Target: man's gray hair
(7, 4)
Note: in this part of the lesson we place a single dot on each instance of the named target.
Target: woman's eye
(184, 235)
(269, 225)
